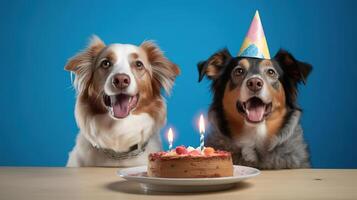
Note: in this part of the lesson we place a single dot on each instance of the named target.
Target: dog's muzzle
(120, 105)
(254, 109)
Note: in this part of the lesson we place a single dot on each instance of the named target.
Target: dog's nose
(255, 84)
(121, 81)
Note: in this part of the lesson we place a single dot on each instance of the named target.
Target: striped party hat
(255, 44)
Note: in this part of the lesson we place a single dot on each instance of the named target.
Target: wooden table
(102, 183)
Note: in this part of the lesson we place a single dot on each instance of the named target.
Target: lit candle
(202, 132)
(170, 138)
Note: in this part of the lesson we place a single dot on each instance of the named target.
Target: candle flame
(202, 124)
(170, 136)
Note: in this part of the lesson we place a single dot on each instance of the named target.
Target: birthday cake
(190, 163)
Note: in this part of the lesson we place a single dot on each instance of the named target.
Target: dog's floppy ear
(296, 70)
(86, 57)
(213, 67)
(294, 73)
(81, 64)
(164, 71)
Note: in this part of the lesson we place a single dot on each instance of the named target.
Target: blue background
(37, 125)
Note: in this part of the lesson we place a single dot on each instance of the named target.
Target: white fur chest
(119, 135)
(253, 138)
(252, 135)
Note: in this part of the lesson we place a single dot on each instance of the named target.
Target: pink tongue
(121, 107)
(255, 112)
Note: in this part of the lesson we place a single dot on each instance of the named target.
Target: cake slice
(190, 163)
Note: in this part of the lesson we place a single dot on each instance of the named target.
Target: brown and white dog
(119, 107)
(254, 110)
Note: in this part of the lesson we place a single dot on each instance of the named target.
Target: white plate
(138, 174)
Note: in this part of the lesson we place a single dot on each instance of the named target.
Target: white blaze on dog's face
(122, 66)
(258, 83)
(121, 79)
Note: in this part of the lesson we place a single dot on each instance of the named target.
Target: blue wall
(37, 125)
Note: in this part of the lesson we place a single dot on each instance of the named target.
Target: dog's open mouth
(120, 105)
(254, 109)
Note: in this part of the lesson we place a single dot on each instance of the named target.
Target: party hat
(255, 44)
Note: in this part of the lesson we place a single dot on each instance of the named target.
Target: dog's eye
(238, 71)
(106, 64)
(139, 64)
(271, 72)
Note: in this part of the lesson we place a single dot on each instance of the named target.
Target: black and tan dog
(254, 110)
